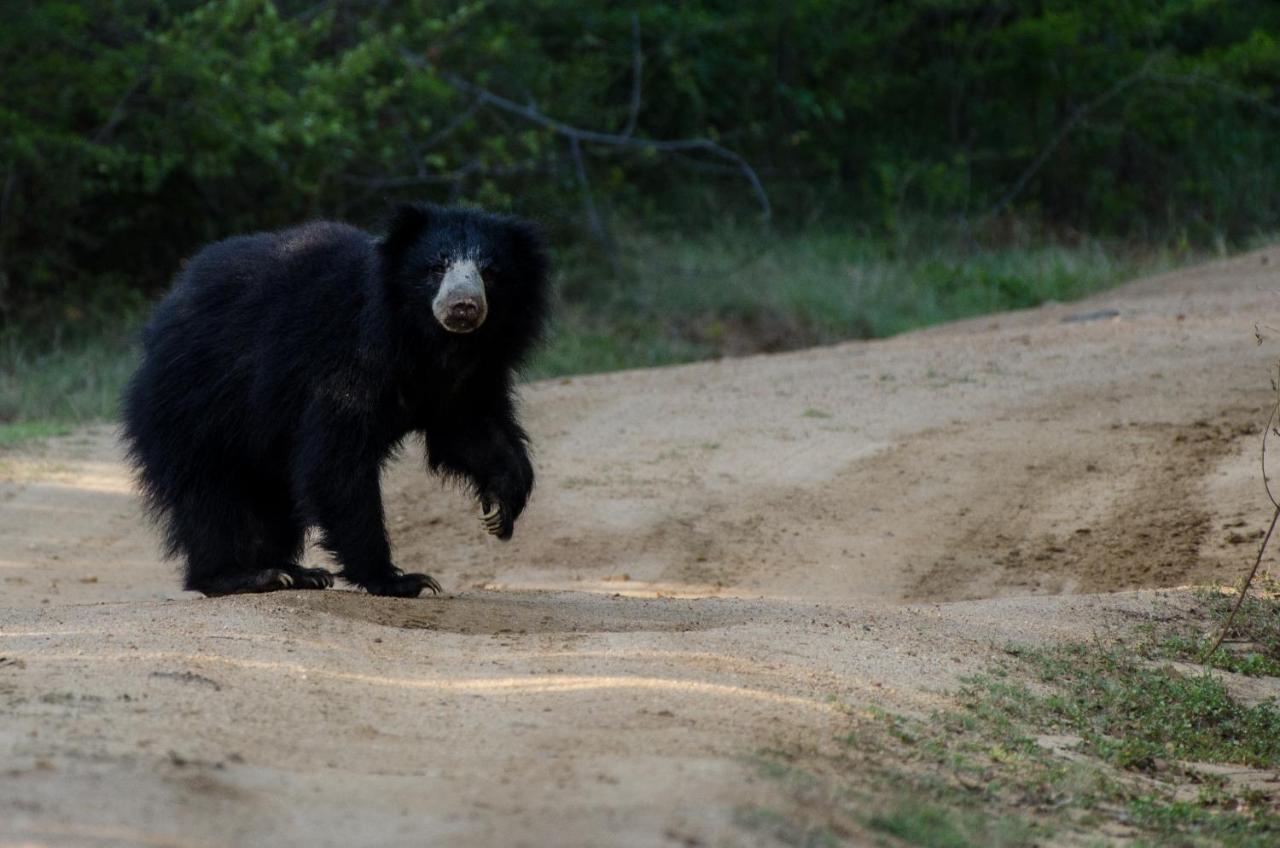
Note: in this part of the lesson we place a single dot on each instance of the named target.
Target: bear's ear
(406, 225)
(527, 248)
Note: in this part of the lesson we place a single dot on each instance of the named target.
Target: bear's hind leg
(281, 547)
(309, 578)
(340, 491)
(233, 547)
(243, 582)
(217, 566)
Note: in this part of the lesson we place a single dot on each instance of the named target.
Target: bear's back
(251, 323)
(262, 269)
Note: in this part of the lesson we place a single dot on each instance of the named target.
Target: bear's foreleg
(490, 451)
(336, 471)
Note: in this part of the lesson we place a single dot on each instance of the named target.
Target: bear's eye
(488, 274)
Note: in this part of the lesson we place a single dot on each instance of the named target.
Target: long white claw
(491, 518)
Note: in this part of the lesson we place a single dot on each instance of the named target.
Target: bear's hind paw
(309, 578)
(403, 585)
(266, 580)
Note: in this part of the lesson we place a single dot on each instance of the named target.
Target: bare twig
(414, 181)
(594, 222)
(637, 74)
(1266, 539)
(311, 12)
(1271, 420)
(6, 195)
(472, 168)
(1077, 117)
(531, 114)
(1200, 81)
(1244, 590)
(118, 112)
(1143, 74)
(1257, 331)
(453, 125)
(6, 201)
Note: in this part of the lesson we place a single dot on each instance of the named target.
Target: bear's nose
(464, 311)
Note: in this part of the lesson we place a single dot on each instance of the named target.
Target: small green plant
(1124, 711)
(1134, 714)
(918, 823)
(1252, 646)
(1052, 744)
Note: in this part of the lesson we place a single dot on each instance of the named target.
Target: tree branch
(581, 136)
(1077, 117)
(6, 200)
(588, 202)
(453, 125)
(118, 113)
(594, 221)
(1200, 81)
(472, 168)
(637, 74)
(1266, 538)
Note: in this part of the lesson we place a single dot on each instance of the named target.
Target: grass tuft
(917, 823)
(67, 370)
(733, 292)
(1252, 646)
(1134, 715)
(1068, 744)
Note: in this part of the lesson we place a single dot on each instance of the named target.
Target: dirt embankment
(719, 559)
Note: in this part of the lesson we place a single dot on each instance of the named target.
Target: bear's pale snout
(460, 304)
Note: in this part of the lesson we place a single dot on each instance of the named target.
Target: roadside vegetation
(1117, 741)
(718, 178)
(1252, 644)
(672, 299)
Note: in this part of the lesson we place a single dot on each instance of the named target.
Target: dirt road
(720, 559)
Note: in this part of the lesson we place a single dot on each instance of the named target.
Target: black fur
(284, 368)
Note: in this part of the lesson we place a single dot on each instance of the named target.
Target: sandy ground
(720, 558)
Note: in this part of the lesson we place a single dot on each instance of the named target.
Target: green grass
(918, 823)
(674, 299)
(24, 431)
(1134, 714)
(1131, 716)
(1073, 744)
(54, 375)
(679, 299)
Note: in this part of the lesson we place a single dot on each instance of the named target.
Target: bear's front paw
(403, 585)
(497, 521)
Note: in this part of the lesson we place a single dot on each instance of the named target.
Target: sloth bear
(283, 369)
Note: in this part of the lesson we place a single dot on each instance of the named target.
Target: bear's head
(467, 272)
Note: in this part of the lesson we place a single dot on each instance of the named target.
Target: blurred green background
(921, 160)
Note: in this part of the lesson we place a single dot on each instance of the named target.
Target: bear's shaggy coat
(284, 368)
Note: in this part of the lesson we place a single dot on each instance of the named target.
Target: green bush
(131, 131)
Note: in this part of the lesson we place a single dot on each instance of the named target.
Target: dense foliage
(132, 131)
